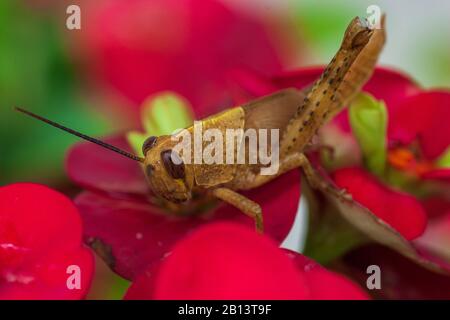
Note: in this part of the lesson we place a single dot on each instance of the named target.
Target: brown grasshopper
(298, 114)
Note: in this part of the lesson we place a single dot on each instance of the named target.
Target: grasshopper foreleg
(247, 206)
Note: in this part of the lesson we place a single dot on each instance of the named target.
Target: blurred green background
(37, 72)
(41, 68)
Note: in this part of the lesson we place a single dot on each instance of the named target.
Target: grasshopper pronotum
(297, 114)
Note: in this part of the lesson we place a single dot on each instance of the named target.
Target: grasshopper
(297, 114)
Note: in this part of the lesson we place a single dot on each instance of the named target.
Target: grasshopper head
(169, 177)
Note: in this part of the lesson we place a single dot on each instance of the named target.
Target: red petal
(400, 277)
(299, 78)
(143, 286)
(96, 168)
(38, 218)
(436, 238)
(401, 211)
(438, 174)
(40, 237)
(225, 261)
(436, 206)
(391, 86)
(139, 234)
(47, 279)
(423, 116)
(246, 85)
(129, 235)
(324, 284)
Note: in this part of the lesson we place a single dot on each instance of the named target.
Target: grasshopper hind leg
(247, 206)
(293, 161)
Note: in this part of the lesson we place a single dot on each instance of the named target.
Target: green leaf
(368, 119)
(444, 160)
(164, 113)
(136, 140)
(106, 285)
(330, 236)
(39, 75)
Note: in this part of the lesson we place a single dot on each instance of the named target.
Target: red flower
(228, 261)
(187, 46)
(130, 230)
(417, 136)
(40, 239)
(421, 119)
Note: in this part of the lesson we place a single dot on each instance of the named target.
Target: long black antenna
(82, 136)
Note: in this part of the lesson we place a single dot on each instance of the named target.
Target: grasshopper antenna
(82, 136)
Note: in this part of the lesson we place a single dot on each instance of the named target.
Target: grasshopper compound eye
(173, 164)
(148, 144)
